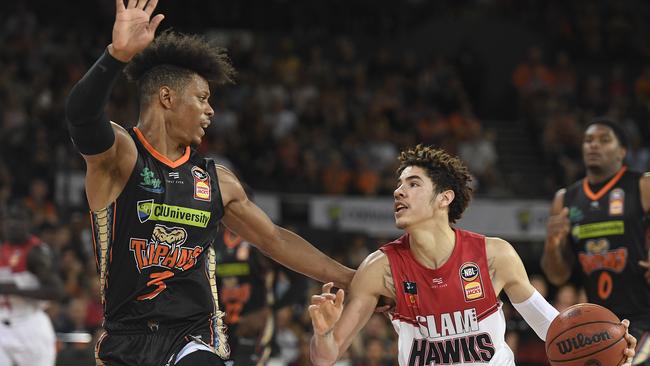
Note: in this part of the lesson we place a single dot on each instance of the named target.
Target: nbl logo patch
(470, 278)
(202, 190)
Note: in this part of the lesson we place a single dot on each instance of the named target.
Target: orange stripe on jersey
(160, 157)
(598, 195)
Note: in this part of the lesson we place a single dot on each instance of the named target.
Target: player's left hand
(646, 265)
(631, 344)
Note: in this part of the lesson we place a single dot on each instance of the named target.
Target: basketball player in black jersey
(246, 282)
(598, 226)
(156, 205)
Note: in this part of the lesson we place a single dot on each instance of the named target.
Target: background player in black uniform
(598, 226)
(246, 280)
(156, 205)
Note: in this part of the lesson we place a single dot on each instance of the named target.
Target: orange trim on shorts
(598, 195)
(160, 157)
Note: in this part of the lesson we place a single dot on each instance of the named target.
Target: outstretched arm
(109, 152)
(335, 325)
(243, 217)
(557, 259)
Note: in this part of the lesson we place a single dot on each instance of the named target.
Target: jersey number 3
(157, 279)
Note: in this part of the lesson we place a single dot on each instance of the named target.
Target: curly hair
(172, 58)
(446, 172)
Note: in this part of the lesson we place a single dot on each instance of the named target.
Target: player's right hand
(557, 228)
(134, 29)
(325, 309)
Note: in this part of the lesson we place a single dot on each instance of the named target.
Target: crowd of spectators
(593, 63)
(326, 117)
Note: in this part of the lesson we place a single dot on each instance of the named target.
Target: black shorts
(156, 345)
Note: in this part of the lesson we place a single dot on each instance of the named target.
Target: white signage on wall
(509, 219)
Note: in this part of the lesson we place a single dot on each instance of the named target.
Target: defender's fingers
(119, 5)
(131, 4)
(151, 5)
(340, 296)
(155, 22)
(328, 286)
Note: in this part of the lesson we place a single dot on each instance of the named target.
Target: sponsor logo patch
(202, 189)
(616, 202)
(470, 277)
(149, 210)
(150, 182)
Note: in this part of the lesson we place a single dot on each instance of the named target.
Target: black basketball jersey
(608, 238)
(244, 277)
(153, 244)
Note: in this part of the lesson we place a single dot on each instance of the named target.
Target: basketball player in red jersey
(156, 204)
(27, 278)
(599, 225)
(445, 280)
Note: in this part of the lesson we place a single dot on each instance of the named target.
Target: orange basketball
(586, 335)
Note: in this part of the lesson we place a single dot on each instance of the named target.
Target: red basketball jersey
(449, 315)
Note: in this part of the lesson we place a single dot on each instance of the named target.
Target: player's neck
(597, 175)
(154, 130)
(432, 245)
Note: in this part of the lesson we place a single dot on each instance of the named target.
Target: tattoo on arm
(492, 269)
(389, 283)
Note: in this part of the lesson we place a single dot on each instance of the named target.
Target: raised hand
(134, 29)
(557, 228)
(325, 309)
(631, 344)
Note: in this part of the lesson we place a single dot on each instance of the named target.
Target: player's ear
(165, 96)
(446, 197)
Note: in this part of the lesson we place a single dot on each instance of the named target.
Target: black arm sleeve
(89, 126)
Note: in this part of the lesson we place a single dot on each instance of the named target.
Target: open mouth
(400, 207)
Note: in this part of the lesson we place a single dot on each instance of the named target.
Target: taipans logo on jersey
(616, 202)
(597, 256)
(411, 293)
(202, 191)
(165, 249)
(470, 278)
(149, 210)
(149, 182)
